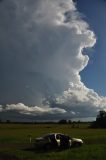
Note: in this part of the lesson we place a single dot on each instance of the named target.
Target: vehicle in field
(57, 140)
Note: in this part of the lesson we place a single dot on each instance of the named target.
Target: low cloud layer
(21, 108)
(41, 46)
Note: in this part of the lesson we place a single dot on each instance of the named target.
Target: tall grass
(94, 141)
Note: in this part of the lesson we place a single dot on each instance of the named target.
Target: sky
(94, 11)
(52, 59)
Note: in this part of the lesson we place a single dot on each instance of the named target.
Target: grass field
(14, 142)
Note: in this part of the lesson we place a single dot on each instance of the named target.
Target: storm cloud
(41, 50)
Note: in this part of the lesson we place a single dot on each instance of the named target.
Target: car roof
(54, 134)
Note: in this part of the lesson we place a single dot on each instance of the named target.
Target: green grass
(18, 134)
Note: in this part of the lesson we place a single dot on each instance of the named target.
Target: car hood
(77, 140)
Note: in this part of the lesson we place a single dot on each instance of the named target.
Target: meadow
(14, 142)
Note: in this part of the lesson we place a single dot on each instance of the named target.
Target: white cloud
(33, 110)
(83, 101)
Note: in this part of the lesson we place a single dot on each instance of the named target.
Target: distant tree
(69, 121)
(100, 120)
(101, 115)
(62, 121)
(8, 121)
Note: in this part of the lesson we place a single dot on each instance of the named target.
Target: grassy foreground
(14, 142)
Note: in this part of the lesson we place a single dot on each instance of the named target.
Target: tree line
(100, 120)
(99, 123)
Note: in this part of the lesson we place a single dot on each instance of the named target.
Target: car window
(50, 136)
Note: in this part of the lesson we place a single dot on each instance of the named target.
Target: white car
(57, 140)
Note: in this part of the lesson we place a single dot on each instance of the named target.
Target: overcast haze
(42, 52)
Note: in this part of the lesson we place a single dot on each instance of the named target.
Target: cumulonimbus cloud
(55, 35)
